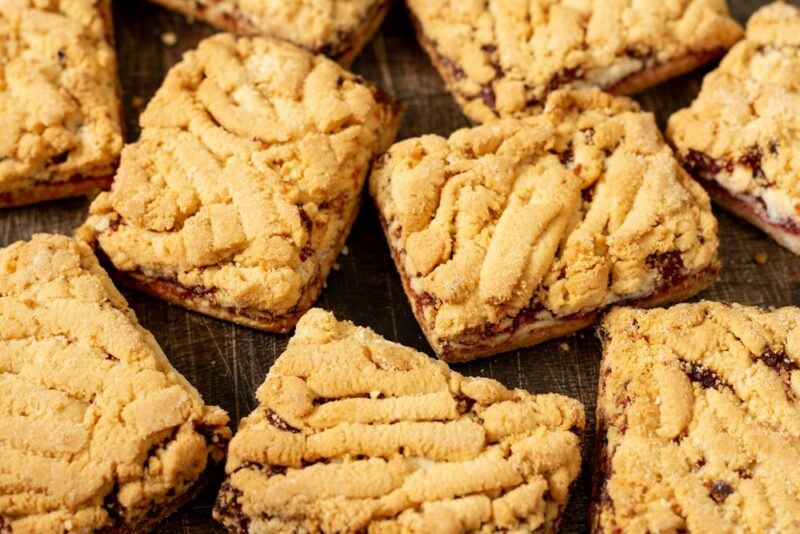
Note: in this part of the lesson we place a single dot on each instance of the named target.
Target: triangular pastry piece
(522, 230)
(100, 432)
(357, 434)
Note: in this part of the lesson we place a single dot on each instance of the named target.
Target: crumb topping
(248, 170)
(552, 216)
(743, 130)
(98, 427)
(58, 92)
(699, 420)
(502, 58)
(354, 432)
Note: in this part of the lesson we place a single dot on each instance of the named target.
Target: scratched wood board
(227, 362)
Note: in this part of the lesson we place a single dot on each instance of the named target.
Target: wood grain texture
(227, 363)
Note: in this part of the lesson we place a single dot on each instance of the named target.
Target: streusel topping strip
(80, 384)
(58, 92)
(699, 420)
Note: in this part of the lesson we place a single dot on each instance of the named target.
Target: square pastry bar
(698, 421)
(518, 231)
(100, 432)
(338, 29)
(61, 130)
(741, 136)
(357, 434)
(245, 182)
(501, 58)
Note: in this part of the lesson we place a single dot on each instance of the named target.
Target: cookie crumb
(137, 102)
(336, 266)
(169, 38)
(345, 250)
(564, 347)
(760, 258)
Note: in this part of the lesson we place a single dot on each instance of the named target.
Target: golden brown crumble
(59, 106)
(699, 420)
(502, 58)
(336, 28)
(553, 216)
(246, 177)
(353, 432)
(743, 129)
(99, 430)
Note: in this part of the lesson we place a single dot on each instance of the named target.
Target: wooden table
(227, 362)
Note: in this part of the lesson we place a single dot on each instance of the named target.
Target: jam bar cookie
(502, 58)
(741, 136)
(338, 29)
(61, 131)
(698, 421)
(355, 434)
(518, 231)
(245, 182)
(100, 432)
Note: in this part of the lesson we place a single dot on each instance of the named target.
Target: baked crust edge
(748, 210)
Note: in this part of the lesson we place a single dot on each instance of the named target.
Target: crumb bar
(502, 58)
(698, 420)
(741, 136)
(338, 29)
(245, 182)
(353, 434)
(518, 231)
(61, 130)
(100, 432)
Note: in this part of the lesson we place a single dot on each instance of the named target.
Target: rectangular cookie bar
(100, 432)
(245, 182)
(741, 136)
(354, 433)
(61, 132)
(518, 231)
(338, 29)
(501, 58)
(698, 420)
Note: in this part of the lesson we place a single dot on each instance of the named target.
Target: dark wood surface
(227, 362)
